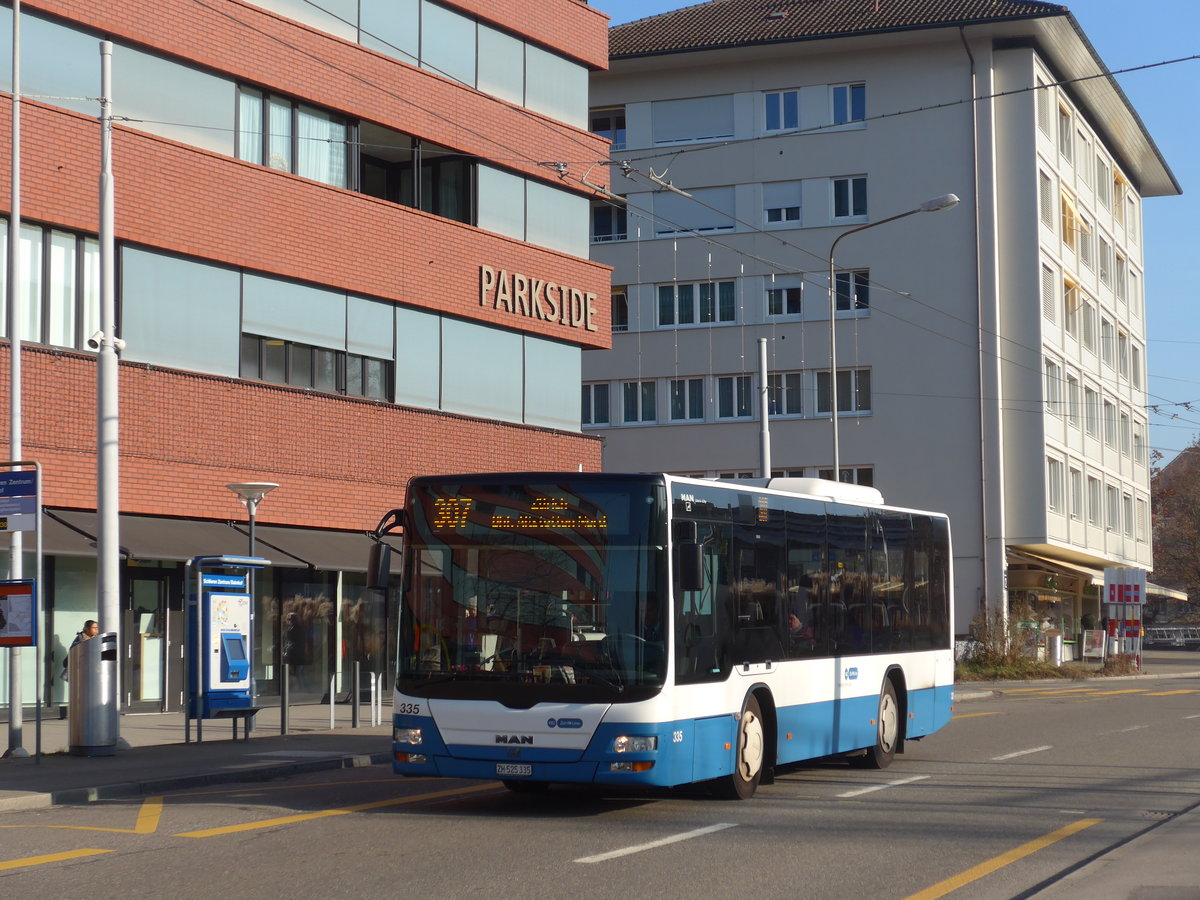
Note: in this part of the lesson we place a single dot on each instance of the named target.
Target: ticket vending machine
(219, 622)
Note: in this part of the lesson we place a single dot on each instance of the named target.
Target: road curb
(17, 801)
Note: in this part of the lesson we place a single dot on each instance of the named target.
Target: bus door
(701, 633)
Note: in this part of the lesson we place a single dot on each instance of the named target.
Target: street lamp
(251, 494)
(937, 203)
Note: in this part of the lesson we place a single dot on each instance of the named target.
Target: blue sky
(1127, 35)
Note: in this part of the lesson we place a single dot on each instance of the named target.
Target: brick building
(351, 247)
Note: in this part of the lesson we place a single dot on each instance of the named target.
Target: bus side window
(699, 633)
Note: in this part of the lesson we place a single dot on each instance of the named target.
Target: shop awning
(72, 533)
(1093, 576)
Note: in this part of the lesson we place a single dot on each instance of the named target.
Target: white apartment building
(991, 357)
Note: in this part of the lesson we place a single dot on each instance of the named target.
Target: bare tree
(1175, 497)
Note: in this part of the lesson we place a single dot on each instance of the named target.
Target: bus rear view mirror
(379, 566)
(689, 566)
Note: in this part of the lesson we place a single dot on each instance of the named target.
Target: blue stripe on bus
(688, 750)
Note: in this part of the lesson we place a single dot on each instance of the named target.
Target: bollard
(354, 699)
(332, 700)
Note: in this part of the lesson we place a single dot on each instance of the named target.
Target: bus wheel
(748, 756)
(526, 787)
(887, 732)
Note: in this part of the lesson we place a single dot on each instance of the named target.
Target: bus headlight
(635, 743)
(406, 735)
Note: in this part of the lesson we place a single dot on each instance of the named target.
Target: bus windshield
(529, 591)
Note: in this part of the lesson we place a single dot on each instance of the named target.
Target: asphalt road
(1023, 787)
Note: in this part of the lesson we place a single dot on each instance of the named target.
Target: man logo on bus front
(514, 739)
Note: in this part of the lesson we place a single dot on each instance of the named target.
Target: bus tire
(526, 787)
(749, 754)
(887, 732)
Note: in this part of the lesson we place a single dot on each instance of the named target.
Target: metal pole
(16, 312)
(764, 434)
(332, 700)
(354, 711)
(252, 507)
(283, 700)
(108, 545)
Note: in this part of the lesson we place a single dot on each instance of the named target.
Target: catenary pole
(16, 312)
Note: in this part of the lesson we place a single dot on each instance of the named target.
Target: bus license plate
(506, 769)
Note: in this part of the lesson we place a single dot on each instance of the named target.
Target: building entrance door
(152, 629)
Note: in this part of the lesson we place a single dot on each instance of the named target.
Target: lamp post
(251, 494)
(937, 203)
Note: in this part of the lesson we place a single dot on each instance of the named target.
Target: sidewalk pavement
(158, 759)
(1159, 863)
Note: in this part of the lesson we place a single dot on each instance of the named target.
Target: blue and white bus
(657, 630)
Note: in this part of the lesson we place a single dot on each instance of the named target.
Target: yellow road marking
(147, 821)
(942, 888)
(1172, 693)
(49, 858)
(1125, 691)
(973, 715)
(326, 813)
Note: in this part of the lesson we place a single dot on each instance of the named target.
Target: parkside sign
(535, 298)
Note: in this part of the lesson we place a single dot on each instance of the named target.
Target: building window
(1106, 260)
(595, 404)
(609, 122)
(1088, 324)
(1123, 354)
(849, 197)
(781, 202)
(1054, 484)
(1086, 242)
(317, 368)
(639, 401)
(1070, 223)
(784, 301)
(1042, 94)
(853, 289)
(1135, 366)
(1091, 411)
(782, 110)
(784, 396)
(620, 309)
(1054, 386)
(1141, 519)
(853, 390)
(1127, 515)
(1103, 182)
(1113, 500)
(1139, 443)
(864, 475)
(1094, 509)
(689, 304)
(687, 399)
(1076, 486)
(60, 286)
(1120, 278)
(1126, 435)
(283, 134)
(1071, 308)
(1066, 133)
(734, 397)
(1074, 401)
(693, 119)
(1046, 199)
(1083, 152)
(609, 223)
(1048, 292)
(1110, 424)
(1108, 342)
(849, 103)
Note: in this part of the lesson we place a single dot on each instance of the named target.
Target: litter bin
(1054, 648)
(92, 724)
